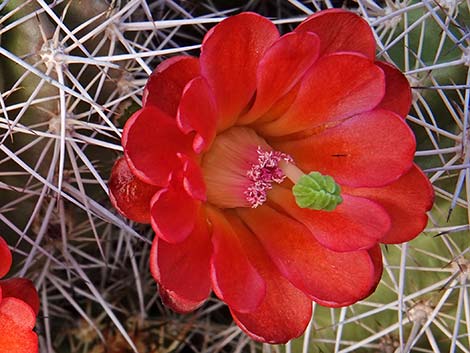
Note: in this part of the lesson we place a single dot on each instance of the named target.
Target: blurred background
(72, 72)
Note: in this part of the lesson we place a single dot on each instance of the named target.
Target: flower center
(240, 168)
(263, 174)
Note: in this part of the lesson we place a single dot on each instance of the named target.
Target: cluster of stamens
(263, 174)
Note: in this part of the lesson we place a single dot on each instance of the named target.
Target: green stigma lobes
(317, 192)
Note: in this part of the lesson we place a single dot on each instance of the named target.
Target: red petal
(356, 224)
(166, 83)
(285, 311)
(289, 58)
(197, 112)
(406, 201)
(128, 194)
(397, 90)
(230, 55)
(173, 212)
(376, 257)
(177, 303)
(193, 180)
(370, 149)
(5, 258)
(151, 141)
(323, 274)
(340, 30)
(23, 289)
(183, 269)
(17, 320)
(280, 107)
(234, 279)
(336, 87)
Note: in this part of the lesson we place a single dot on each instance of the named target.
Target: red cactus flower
(19, 305)
(270, 168)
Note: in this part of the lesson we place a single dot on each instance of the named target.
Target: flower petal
(177, 303)
(289, 58)
(280, 107)
(342, 278)
(17, 320)
(356, 224)
(376, 257)
(23, 289)
(197, 112)
(234, 279)
(128, 194)
(230, 55)
(151, 141)
(173, 212)
(406, 201)
(193, 180)
(183, 269)
(336, 87)
(340, 31)
(166, 83)
(397, 90)
(5, 257)
(361, 151)
(285, 311)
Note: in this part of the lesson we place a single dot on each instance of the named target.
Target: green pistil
(317, 192)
